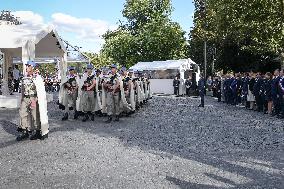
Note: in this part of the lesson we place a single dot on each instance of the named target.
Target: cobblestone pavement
(169, 143)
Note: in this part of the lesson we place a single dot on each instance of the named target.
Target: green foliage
(99, 60)
(147, 35)
(253, 28)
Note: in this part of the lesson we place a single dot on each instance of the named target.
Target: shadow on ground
(211, 136)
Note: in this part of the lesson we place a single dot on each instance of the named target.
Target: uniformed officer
(88, 94)
(275, 92)
(125, 93)
(112, 86)
(201, 88)
(71, 94)
(98, 93)
(258, 92)
(176, 83)
(33, 108)
(188, 85)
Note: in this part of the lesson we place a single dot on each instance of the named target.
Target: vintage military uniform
(125, 101)
(98, 93)
(70, 95)
(88, 97)
(112, 87)
(33, 108)
(29, 106)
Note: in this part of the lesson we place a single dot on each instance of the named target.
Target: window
(162, 74)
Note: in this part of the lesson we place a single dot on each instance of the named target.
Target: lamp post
(203, 9)
(205, 59)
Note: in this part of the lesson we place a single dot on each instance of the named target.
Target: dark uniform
(176, 84)
(275, 94)
(281, 97)
(257, 93)
(202, 88)
(188, 85)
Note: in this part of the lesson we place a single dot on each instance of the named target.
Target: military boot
(92, 117)
(116, 118)
(65, 117)
(24, 135)
(86, 117)
(36, 136)
(44, 137)
(76, 114)
(109, 119)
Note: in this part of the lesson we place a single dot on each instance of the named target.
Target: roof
(14, 38)
(163, 65)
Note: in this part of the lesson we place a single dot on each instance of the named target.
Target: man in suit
(201, 88)
(176, 84)
(188, 85)
(275, 93)
(257, 92)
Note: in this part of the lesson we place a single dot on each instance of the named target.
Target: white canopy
(18, 41)
(163, 65)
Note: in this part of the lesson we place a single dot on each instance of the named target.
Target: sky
(83, 22)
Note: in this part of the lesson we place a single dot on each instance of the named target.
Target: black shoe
(76, 114)
(109, 119)
(20, 129)
(65, 117)
(92, 117)
(44, 137)
(201, 106)
(132, 112)
(116, 118)
(22, 136)
(36, 136)
(86, 118)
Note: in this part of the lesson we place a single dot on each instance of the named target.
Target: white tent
(17, 41)
(165, 85)
(163, 65)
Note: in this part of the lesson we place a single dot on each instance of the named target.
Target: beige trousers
(30, 118)
(88, 101)
(113, 105)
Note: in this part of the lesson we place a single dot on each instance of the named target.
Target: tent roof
(14, 37)
(162, 65)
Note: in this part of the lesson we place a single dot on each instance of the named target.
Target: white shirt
(16, 74)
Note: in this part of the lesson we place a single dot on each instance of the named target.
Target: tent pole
(7, 63)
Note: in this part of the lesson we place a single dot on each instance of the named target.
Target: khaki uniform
(126, 86)
(29, 109)
(113, 98)
(88, 97)
(72, 92)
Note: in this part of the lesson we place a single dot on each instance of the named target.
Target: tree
(147, 35)
(99, 60)
(252, 27)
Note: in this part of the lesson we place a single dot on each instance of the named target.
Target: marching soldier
(33, 109)
(104, 77)
(88, 94)
(70, 94)
(112, 86)
(98, 93)
(132, 91)
(125, 92)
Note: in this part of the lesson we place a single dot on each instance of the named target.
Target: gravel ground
(169, 143)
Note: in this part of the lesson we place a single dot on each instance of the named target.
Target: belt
(28, 96)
